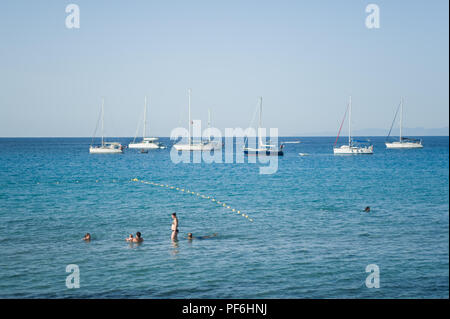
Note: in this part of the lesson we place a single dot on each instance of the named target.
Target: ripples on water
(309, 238)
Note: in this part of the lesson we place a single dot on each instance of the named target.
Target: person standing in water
(174, 236)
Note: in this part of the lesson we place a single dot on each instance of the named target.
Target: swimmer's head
(131, 235)
(174, 215)
(189, 235)
(138, 235)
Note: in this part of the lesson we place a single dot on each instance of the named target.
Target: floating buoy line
(168, 187)
(187, 191)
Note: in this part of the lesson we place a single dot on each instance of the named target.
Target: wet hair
(138, 234)
(174, 214)
(189, 235)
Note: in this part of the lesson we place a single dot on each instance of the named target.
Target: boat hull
(263, 152)
(144, 146)
(353, 150)
(100, 150)
(198, 147)
(403, 145)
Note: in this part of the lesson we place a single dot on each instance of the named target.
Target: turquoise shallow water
(309, 238)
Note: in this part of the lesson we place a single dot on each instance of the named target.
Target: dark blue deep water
(309, 237)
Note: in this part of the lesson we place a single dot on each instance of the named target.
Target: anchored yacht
(105, 147)
(353, 147)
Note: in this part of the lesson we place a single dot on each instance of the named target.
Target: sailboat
(216, 145)
(263, 149)
(198, 146)
(403, 142)
(105, 147)
(353, 146)
(147, 142)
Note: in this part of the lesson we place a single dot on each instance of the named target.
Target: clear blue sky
(303, 57)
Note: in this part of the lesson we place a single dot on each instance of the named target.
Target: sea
(300, 232)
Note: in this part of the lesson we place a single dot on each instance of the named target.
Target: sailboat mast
(209, 123)
(350, 122)
(260, 121)
(145, 118)
(189, 107)
(103, 102)
(401, 118)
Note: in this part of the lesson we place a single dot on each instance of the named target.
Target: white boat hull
(144, 146)
(353, 150)
(104, 150)
(198, 147)
(404, 145)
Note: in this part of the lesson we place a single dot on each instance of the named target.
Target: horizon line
(131, 137)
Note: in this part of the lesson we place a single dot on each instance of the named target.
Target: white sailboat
(353, 147)
(198, 146)
(263, 149)
(215, 145)
(403, 142)
(147, 143)
(106, 147)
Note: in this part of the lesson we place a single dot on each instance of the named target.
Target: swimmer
(174, 235)
(138, 238)
(129, 238)
(367, 209)
(87, 237)
(190, 236)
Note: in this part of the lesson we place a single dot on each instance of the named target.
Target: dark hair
(174, 214)
(189, 234)
(138, 234)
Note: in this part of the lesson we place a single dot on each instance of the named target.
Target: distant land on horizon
(417, 131)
